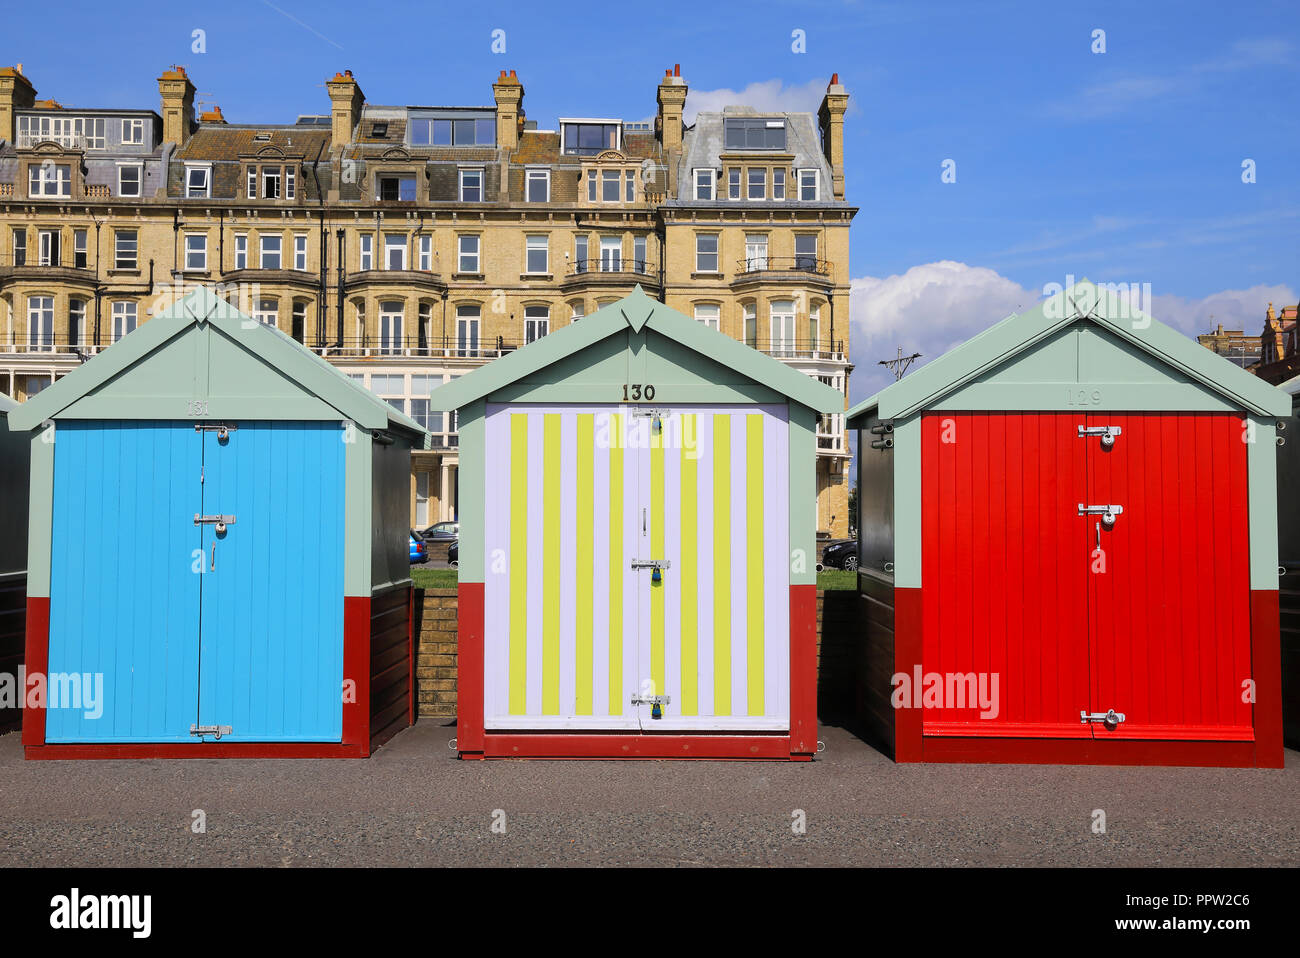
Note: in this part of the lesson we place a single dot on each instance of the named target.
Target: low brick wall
(435, 654)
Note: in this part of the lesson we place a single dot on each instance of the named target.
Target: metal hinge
(1111, 718)
(216, 731)
(1107, 513)
(1107, 433)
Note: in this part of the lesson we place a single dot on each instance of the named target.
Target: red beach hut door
(1169, 582)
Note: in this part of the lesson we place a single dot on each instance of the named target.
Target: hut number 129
(1082, 397)
(638, 392)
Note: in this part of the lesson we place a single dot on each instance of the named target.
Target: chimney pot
(347, 73)
(677, 69)
(835, 78)
(19, 68)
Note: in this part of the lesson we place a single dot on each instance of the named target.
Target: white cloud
(936, 306)
(929, 309)
(768, 96)
(1234, 308)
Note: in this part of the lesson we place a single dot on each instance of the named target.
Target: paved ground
(413, 803)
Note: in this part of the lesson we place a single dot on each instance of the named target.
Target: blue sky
(1124, 166)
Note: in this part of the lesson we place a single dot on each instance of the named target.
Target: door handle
(212, 566)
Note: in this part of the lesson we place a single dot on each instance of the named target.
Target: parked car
(419, 550)
(441, 532)
(841, 555)
(453, 554)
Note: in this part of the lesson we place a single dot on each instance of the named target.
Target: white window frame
(482, 183)
(191, 251)
(300, 251)
(263, 251)
(250, 182)
(735, 183)
(41, 185)
(133, 132)
(426, 253)
(122, 311)
(267, 317)
(80, 248)
(716, 253)
(605, 181)
(535, 327)
(191, 191)
(593, 185)
(756, 245)
(537, 243)
(778, 183)
(816, 175)
(268, 175)
(139, 179)
(49, 247)
(391, 324)
(782, 341)
(365, 252)
(629, 186)
(611, 254)
(468, 319)
(77, 320)
(761, 171)
(241, 251)
(290, 183)
(395, 243)
(709, 314)
(537, 175)
(118, 261)
(462, 254)
(40, 323)
(712, 186)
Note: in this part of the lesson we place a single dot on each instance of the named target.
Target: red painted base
(199, 750)
(911, 745)
(564, 746)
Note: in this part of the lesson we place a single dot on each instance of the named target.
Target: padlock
(656, 425)
(220, 528)
(655, 575)
(656, 710)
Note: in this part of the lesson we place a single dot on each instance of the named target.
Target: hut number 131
(638, 392)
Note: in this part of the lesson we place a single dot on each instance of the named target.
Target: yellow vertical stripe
(721, 564)
(755, 596)
(518, 566)
(616, 564)
(585, 478)
(689, 574)
(657, 552)
(551, 564)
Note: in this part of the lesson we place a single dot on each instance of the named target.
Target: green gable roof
(638, 312)
(1085, 303)
(249, 349)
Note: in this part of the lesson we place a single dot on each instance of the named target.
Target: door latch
(221, 429)
(1107, 513)
(655, 565)
(216, 731)
(1110, 719)
(1107, 433)
(656, 703)
(219, 521)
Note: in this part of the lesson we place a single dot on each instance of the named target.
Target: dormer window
(396, 188)
(130, 178)
(380, 129)
(704, 182)
(49, 179)
(809, 185)
(456, 129)
(271, 182)
(133, 132)
(754, 133)
(590, 137)
(198, 182)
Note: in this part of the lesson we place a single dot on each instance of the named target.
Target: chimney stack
(831, 118)
(668, 121)
(16, 93)
(346, 101)
(177, 105)
(508, 93)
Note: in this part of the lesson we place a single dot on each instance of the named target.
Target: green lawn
(446, 579)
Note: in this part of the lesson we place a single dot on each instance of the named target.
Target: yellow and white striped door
(715, 628)
(574, 635)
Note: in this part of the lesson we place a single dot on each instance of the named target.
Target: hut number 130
(638, 392)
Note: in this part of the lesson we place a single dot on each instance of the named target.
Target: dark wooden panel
(13, 628)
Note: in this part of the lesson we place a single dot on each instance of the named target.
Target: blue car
(419, 550)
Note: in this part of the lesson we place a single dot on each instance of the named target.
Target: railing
(584, 267)
(783, 264)
(65, 346)
(6, 189)
(437, 347)
(69, 141)
(800, 349)
(55, 259)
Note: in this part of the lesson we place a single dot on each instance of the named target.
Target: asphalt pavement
(413, 803)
